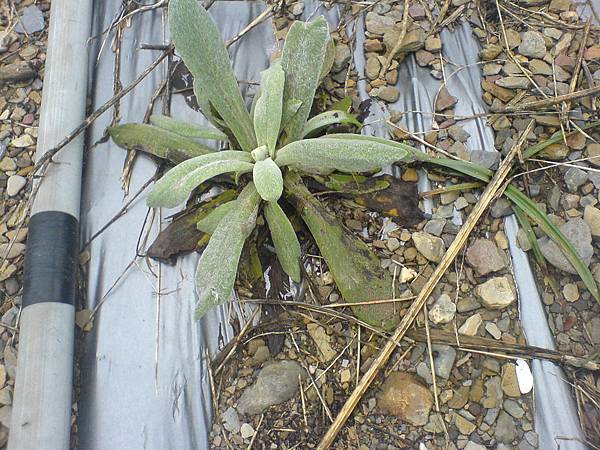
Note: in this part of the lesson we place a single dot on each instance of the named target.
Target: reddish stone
(404, 397)
(569, 322)
(576, 141)
(14, 47)
(447, 123)
(444, 144)
(417, 12)
(592, 53)
(540, 80)
(445, 100)
(28, 119)
(565, 61)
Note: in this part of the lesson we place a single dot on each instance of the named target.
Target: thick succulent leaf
(285, 239)
(302, 60)
(342, 154)
(177, 184)
(199, 43)
(209, 223)
(156, 141)
(187, 129)
(328, 59)
(217, 267)
(323, 120)
(268, 179)
(269, 107)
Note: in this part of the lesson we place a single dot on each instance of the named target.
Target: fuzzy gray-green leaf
(323, 120)
(328, 60)
(209, 223)
(177, 184)
(285, 240)
(268, 179)
(269, 107)
(187, 129)
(302, 61)
(218, 264)
(346, 155)
(156, 141)
(291, 107)
(199, 43)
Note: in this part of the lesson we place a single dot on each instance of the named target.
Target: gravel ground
(23, 34)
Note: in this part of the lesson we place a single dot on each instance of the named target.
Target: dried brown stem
(538, 104)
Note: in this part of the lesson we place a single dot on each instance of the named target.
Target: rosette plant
(270, 147)
(266, 143)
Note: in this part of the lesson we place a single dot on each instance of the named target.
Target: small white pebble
(14, 185)
(246, 431)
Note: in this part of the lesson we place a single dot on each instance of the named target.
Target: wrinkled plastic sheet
(144, 374)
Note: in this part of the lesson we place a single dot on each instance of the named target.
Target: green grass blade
(531, 237)
(284, 239)
(532, 211)
(554, 233)
(218, 264)
(199, 43)
(558, 137)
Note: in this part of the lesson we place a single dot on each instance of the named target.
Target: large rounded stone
(578, 232)
(276, 383)
(404, 397)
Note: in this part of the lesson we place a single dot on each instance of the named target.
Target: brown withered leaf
(400, 200)
(181, 235)
(385, 194)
